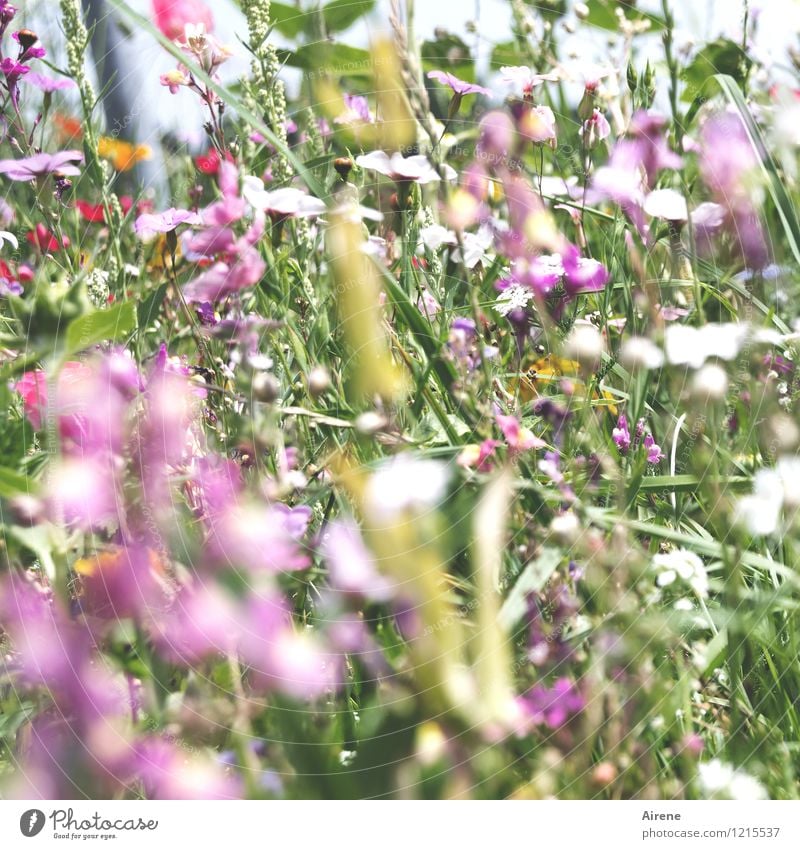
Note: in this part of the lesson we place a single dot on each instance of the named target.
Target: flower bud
(343, 165)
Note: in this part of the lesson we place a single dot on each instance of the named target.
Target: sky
(698, 20)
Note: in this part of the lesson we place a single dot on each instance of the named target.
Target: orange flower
(68, 129)
(122, 155)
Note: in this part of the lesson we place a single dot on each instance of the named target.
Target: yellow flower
(122, 155)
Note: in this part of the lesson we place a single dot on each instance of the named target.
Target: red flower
(93, 212)
(208, 164)
(45, 241)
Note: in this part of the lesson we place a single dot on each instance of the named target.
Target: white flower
(435, 235)
(5, 236)
(515, 297)
(640, 352)
(684, 566)
(719, 780)
(585, 344)
(710, 383)
(667, 204)
(476, 246)
(774, 491)
(692, 346)
(287, 201)
(405, 483)
(586, 72)
(523, 78)
(414, 168)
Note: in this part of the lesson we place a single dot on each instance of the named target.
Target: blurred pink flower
(41, 164)
(149, 224)
(171, 16)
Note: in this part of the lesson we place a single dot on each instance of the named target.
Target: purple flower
(460, 87)
(582, 274)
(622, 435)
(654, 452)
(42, 164)
(356, 109)
(148, 224)
(350, 565)
(552, 706)
(49, 84)
(497, 134)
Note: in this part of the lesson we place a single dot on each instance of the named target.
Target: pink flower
(223, 278)
(460, 87)
(525, 79)
(595, 129)
(175, 78)
(350, 565)
(356, 110)
(42, 164)
(148, 224)
(538, 124)
(497, 136)
(518, 438)
(32, 387)
(168, 771)
(171, 16)
(48, 84)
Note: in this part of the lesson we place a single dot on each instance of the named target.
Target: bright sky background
(779, 25)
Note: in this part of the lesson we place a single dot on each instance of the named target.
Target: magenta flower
(42, 164)
(49, 84)
(582, 274)
(654, 452)
(460, 87)
(223, 278)
(552, 706)
(621, 435)
(148, 224)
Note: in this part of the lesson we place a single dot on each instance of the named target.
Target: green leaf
(602, 14)
(13, 483)
(148, 309)
(100, 326)
(533, 578)
(722, 56)
(289, 21)
(340, 14)
(506, 53)
(324, 58)
(449, 52)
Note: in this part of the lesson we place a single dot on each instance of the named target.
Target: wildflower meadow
(403, 415)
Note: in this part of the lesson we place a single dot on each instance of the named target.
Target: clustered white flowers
(681, 567)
